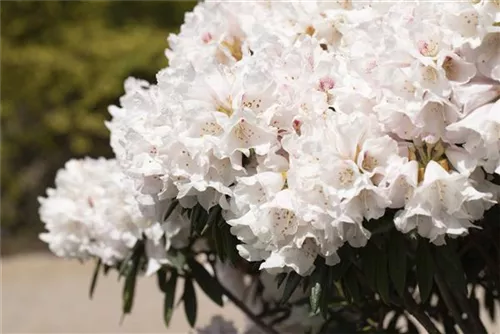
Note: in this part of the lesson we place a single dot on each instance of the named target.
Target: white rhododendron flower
(93, 212)
(304, 121)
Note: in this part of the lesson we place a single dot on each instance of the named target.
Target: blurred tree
(62, 64)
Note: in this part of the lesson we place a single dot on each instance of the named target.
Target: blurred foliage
(62, 64)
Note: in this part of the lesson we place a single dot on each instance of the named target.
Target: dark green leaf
(350, 282)
(131, 277)
(129, 289)
(170, 209)
(106, 269)
(314, 298)
(218, 240)
(161, 276)
(198, 219)
(489, 303)
(168, 304)
(125, 265)
(448, 260)
(206, 282)
(177, 259)
(382, 278)
(213, 216)
(197, 223)
(425, 269)
(190, 304)
(280, 278)
(397, 261)
(369, 255)
(292, 282)
(449, 325)
(94, 278)
(230, 245)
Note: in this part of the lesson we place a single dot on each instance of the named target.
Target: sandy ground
(44, 294)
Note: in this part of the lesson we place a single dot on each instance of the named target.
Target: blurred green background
(62, 64)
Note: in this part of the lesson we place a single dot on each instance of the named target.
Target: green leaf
(397, 261)
(106, 269)
(382, 278)
(230, 244)
(129, 289)
(168, 303)
(369, 255)
(94, 278)
(351, 284)
(489, 304)
(280, 278)
(314, 297)
(292, 282)
(213, 216)
(425, 269)
(131, 278)
(125, 264)
(448, 260)
(198, 219)
(206, 282)
(170, 209)
(161, 276)
(218, 240)
(189, 298)
(177, 259)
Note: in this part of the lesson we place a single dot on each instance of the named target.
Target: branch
(413, 308)
(258, 321)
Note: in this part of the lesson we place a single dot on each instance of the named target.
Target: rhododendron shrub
(345, 148)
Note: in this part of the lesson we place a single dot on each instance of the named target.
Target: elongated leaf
(94, 278)
(168, 304)
(206, 282)
(291, 284)
(213, 217)
(369, 256)
(489, 303)
(106, 269)
(177, 259)
(314, 298)
(327, 289)
(190, 304)
(218, 240)
(351, 284)
(397, 261)
(199, 219)
(280, 278)
(196, 222)
(425, 269)
(170, 209)
(131, 278)
(382, 278)
(161, 276)
(230, 245)
(448, 260)
(129, 289)
(125, 264)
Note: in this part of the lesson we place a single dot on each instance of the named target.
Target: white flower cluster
(93, 212)
(303, 120)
